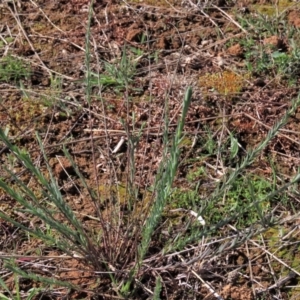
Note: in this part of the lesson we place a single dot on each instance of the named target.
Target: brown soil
(177, 46)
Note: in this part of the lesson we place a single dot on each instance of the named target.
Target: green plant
(70, 235)
(157, 290)
(163, 187)
(75, 239)
(243, 196)
(229, 180)
(13, 69)
(195, 173)
(261, 24)
(16, 294)
(282, 64)
(135, 233)
(118, 74)
(239, 197)
(278, 58)
(5, 41)
(288, 63)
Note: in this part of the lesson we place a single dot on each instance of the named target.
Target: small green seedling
(13, 69)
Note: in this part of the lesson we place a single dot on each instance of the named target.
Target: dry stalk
(269, 262)
(270, 127)
(228, 17)
(206, 284)
(274, 257)
(43, 13)
(250, 268)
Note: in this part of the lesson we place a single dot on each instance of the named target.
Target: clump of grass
(238, 197)
(70, 236)
(13, 69)
(269, 52)
(265, 60)
(118, 74)
(245, 198)
(230, 179)
(16, 294)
